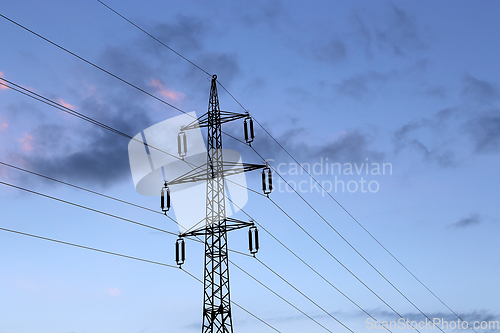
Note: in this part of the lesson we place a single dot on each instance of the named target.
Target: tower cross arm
(229, 169)
(225, 117)
(230, 225)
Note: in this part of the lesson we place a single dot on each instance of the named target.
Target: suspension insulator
(253, 240)
(165, 192)
(267, 180)
(249, 131)
(182, 144)
(180, 251)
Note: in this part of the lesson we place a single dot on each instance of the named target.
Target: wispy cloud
(480, 91)
(115, 292)
(469, 221)
(4, 124)
(170, 94)
(184, 35)
(484, 129)
(26, 142)
(66, 104)
(434, 130)
(394, 31)
(2, 87)
(262, 12)
(360, 86)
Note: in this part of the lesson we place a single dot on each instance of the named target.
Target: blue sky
(413, 85)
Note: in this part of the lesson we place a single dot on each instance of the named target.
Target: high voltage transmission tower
(217, 302)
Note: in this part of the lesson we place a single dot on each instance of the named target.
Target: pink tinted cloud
(168, 93)
(114, 292)
(1, 81)
(66, 104)
(3, 124)
(26, 142)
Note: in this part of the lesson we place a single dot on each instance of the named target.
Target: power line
(196, 239)
(63, 108)
(324, 249)
(346, 241)
(87, 247)
(128, 257)
(84, 189)
(90, 209)
(282, 298)
(50, 102)
(156, 39)
(288, 153)
(132, 85)
(92, 64)
(103, 70)
(103, 195)
(304, 262)
(240, 141)
(353, 218)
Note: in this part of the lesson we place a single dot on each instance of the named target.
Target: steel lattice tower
(216, 297)
(216, 305)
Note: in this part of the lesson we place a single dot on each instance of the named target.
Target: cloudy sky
(394, 106)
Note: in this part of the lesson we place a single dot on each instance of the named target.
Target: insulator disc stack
(267, 181)
(165, 198)
(182, 144)
(180, 251)
(253, 240)
(249, 131)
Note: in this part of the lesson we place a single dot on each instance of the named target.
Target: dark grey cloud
(351, 147)
(401, 34)
(334, 51)
(185, 35)
(484, 130)
(435, 132)
(394, 31)
(225, 65)
(86, 154)
(126, 64)
(385, 315)
(437, 91)
(361, 86)
(259, 12)
(365, 36)
(469, 221)
(470, 317)
(479, 91)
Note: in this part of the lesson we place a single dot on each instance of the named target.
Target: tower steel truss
(216, 296)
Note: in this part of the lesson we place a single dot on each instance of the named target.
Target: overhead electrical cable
(59, 106)
(103, 195)
(84, 189)
(304, 262)
(141, 224)
(346, 241)
(289, 154)
(127, 257)
(275, 293)
(38, 97)
(353, 218)
(105, 71)
(156, 39)
(151, 95)
(91, 209)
